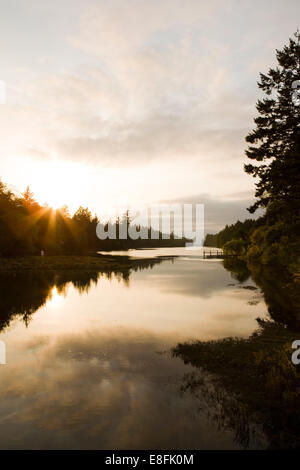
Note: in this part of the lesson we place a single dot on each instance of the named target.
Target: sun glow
(57, 182)
(108, 192)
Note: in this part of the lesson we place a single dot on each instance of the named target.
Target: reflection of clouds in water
(35, 342)
(110, 388)
(201, 278)
(101, 390)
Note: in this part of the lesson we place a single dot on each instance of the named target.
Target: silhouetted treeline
(239, 230)
(26, 227)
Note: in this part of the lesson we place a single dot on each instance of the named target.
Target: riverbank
(86, 263)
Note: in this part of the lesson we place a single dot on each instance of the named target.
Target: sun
(57, 183)
(55, 200)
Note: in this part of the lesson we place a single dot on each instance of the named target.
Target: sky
(120, 103)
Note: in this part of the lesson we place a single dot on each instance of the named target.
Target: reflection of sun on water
(55, 299)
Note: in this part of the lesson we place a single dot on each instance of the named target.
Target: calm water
(88, 361)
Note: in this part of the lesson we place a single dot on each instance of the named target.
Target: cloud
(114, 28)
(149, 90)
(223, 210)
(145, 83)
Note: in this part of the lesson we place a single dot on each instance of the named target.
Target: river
(88, 362)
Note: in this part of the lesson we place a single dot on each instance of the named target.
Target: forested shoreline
(27, 228)
(272, 240)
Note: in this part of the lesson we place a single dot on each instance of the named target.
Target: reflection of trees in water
(24, 293)
(281, 291)
(223, 409)
(237, 268)
(248, 385)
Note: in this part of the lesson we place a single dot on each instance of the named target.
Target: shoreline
(91, 263)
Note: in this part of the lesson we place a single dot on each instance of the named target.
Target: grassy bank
(87, 263)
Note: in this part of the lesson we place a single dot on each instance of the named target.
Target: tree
(239, 230)
(235, 247)
(28, 199)
(275, 142)
(82, 215)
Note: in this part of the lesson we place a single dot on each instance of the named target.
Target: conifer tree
(275, 142)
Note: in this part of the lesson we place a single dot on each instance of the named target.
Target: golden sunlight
(55, 298)
(57, 182)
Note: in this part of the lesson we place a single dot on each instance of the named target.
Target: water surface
(88, 358)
